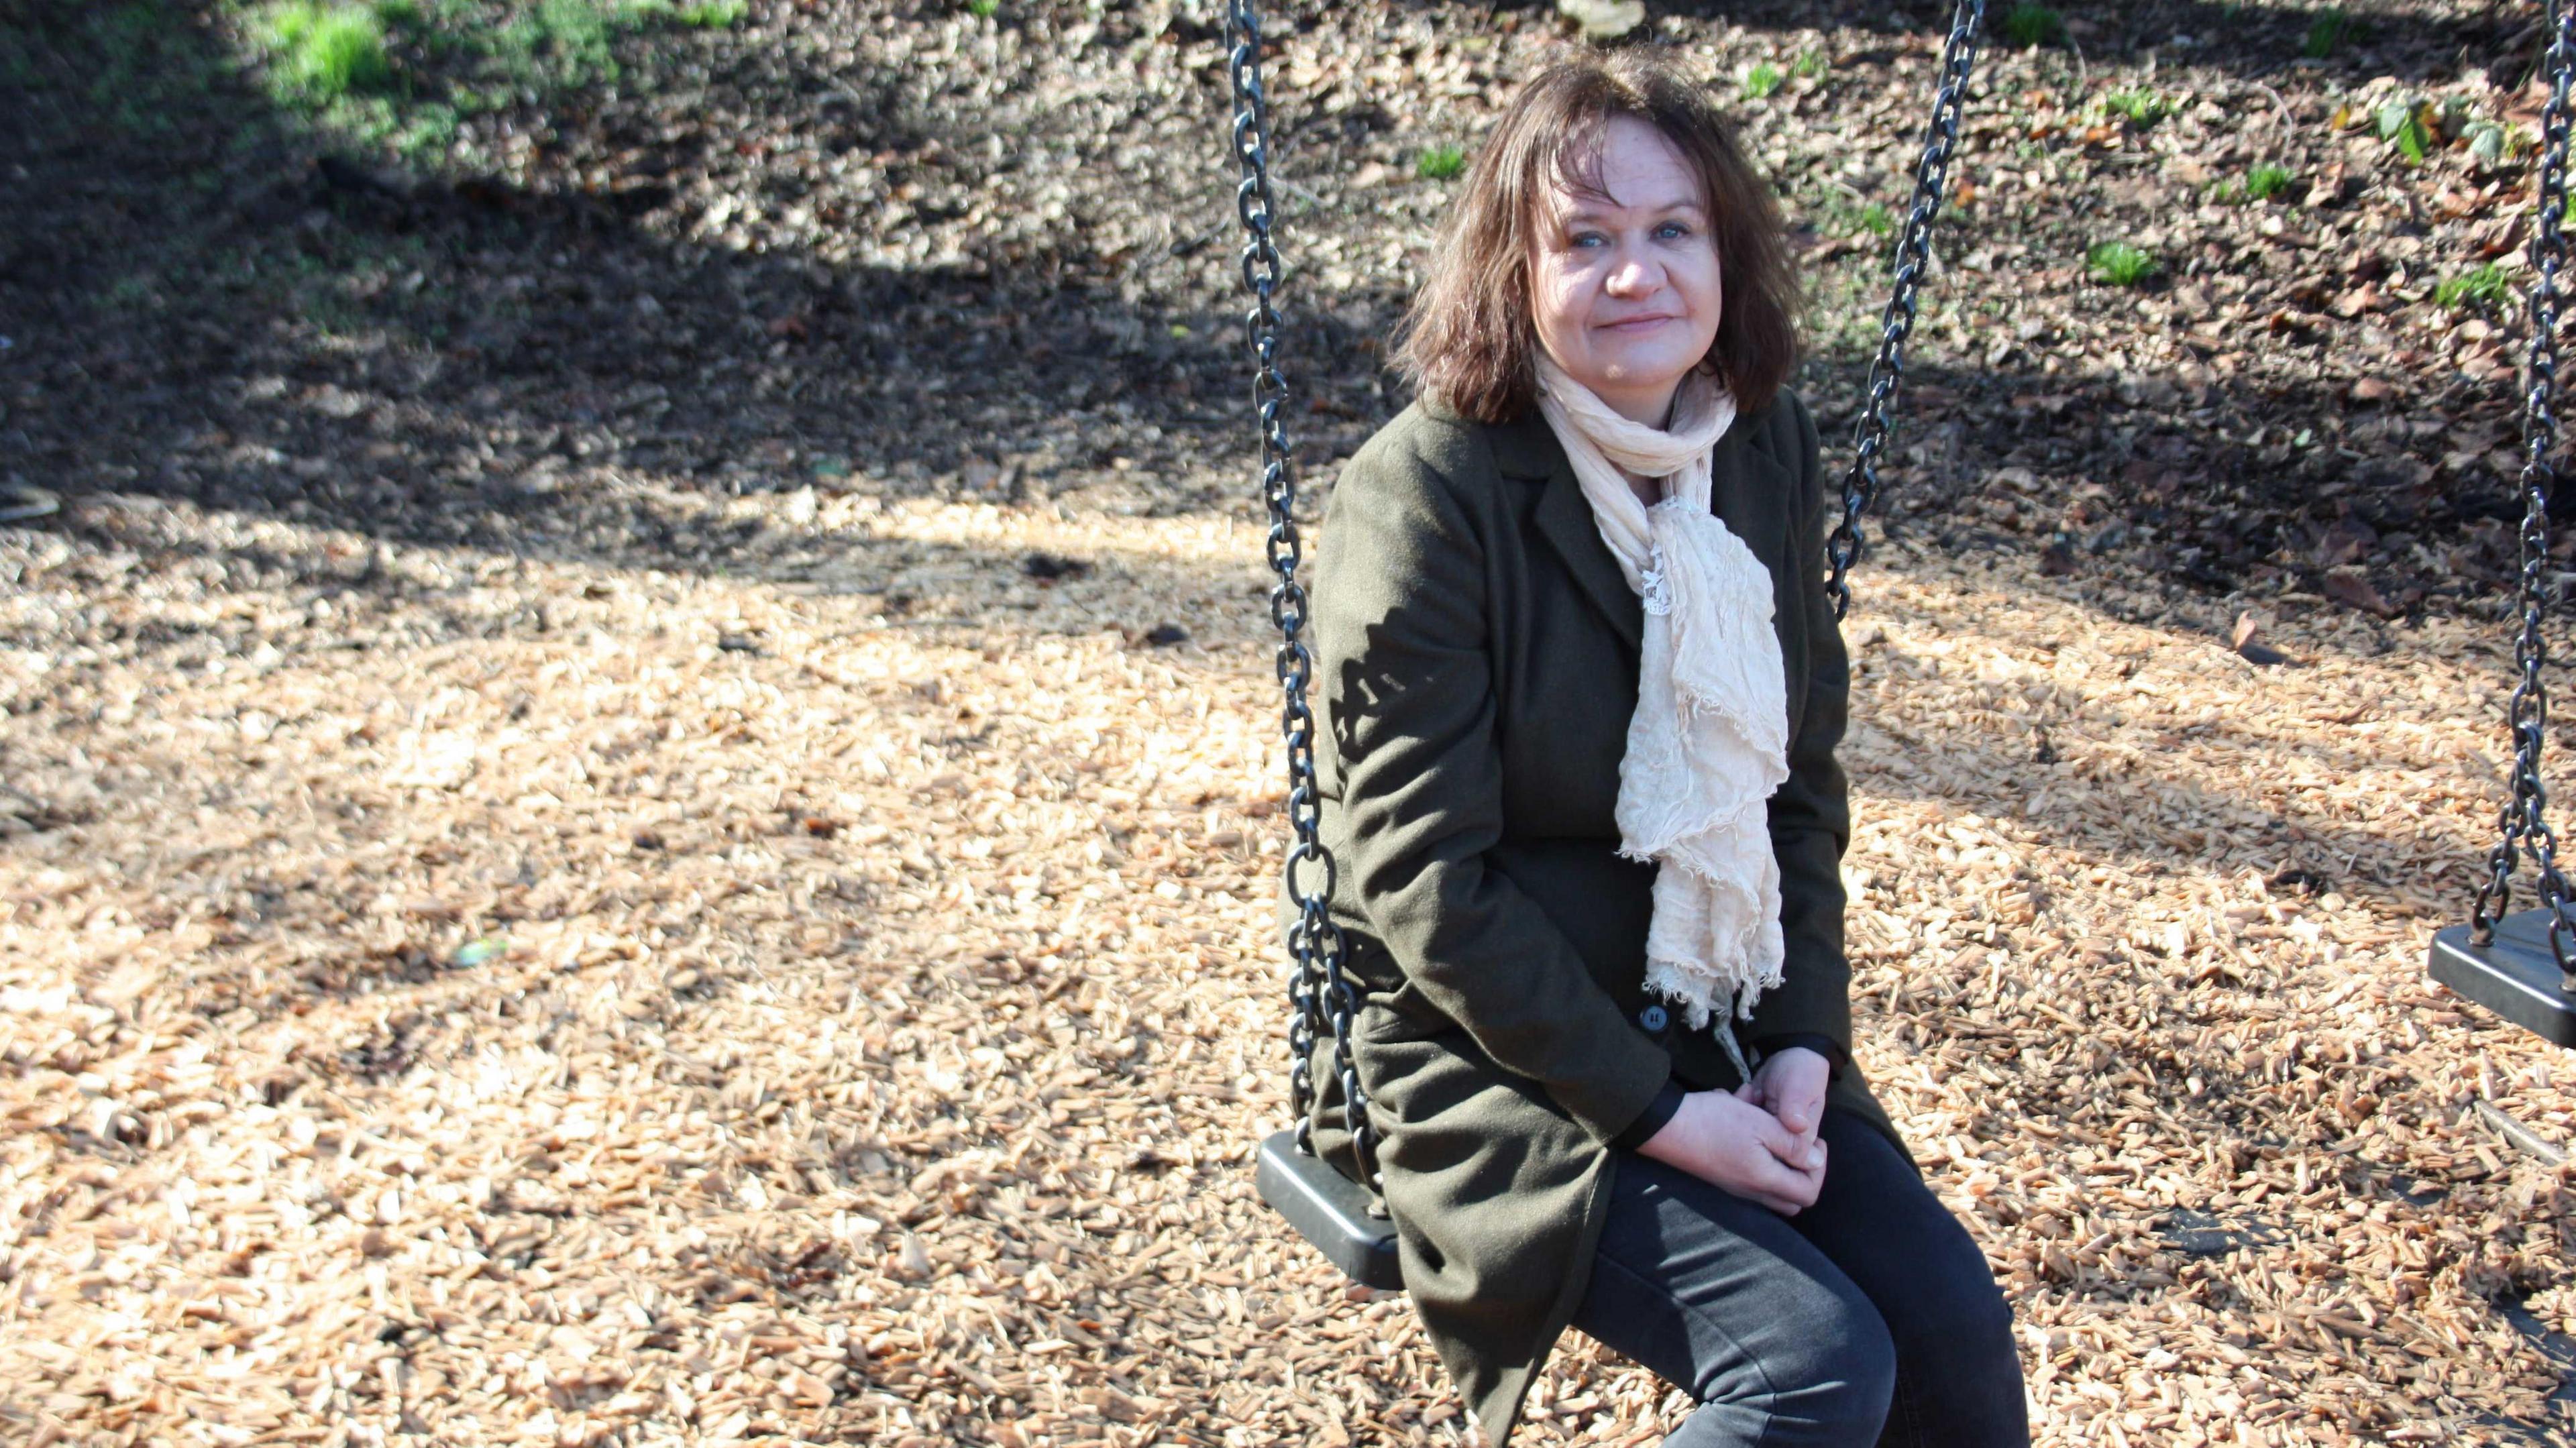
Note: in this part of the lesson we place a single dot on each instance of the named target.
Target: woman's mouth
(1637, 324)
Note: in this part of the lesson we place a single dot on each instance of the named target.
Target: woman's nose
(1633, 276)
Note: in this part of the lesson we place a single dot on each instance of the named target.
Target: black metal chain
(2523, 824)
(1912, 257)
(1317, 990)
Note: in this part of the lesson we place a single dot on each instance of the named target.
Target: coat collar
(1749, 490)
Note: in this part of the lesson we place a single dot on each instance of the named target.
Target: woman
(1580, 778)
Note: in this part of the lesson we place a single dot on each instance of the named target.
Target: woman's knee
(1831, 1380)
(1967, 1345)
(1955, 1308)
(1984, 1312)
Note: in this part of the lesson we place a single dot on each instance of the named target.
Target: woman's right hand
(1738, 1147)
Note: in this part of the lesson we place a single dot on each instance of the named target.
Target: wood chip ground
(496, 1001)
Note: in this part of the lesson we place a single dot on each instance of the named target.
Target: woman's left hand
(1790, 1085)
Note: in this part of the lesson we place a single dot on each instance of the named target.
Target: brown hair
(1468, 339)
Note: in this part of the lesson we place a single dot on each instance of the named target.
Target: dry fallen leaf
(2353, 590)
(1603, 19)
(2242, 639)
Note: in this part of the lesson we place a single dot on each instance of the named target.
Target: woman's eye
(1675, 228)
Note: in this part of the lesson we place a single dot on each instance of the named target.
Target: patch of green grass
(322, 52)
(404, 78)
(2138, 107)
(1809, 64)
(1762, 80)
(132, 294)
(2029, 25)
(2328, 30)
(1842, 214)
(1440, 163)
(424, 135)
(567, 37)
(2486, 286)
(1848, 301)
(572, 42)
(2118, 264)
(2267, 181)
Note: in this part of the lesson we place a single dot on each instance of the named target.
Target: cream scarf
(1709, 741)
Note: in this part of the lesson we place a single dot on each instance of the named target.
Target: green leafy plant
(1439, 163)
(2138, 107)
(475, 952)
(2029, 25)
(2117, 263)
(323, 52)
(2408, 125)
(1762, 80)
(2493, 142)
(724, 14)
(2267, 181)
(2486, 286)
(1809, 64)
(2326, 32)
(982, 9)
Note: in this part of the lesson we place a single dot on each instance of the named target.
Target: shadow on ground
(206, 303)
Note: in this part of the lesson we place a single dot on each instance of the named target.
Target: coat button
(1652, 1018)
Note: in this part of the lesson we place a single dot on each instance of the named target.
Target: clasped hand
(1758, 1141)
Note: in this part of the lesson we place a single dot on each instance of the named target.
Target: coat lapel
(1749, 491)
(1565, 519)
(1755, 493)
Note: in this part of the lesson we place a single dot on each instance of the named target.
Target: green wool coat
(1476, 652)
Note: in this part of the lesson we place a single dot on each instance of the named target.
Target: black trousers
(1869, 1317)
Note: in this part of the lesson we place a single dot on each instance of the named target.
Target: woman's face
(1625, 292)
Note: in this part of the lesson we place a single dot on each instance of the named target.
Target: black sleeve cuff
(1650, 1121)
(1836, 1058)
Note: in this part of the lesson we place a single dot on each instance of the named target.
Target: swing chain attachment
(1318, 992)
(2522, 824)
(1912, 258)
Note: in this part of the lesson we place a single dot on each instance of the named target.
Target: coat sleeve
(1810, 813)
(1403, 629)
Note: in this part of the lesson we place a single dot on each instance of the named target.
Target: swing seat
(1330, 1211)
(2515, 976)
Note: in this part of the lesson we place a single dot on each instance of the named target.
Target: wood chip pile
(456, 999)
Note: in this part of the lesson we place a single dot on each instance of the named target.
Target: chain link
(1318, 993)
(2523, 824)
(1912, 257)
